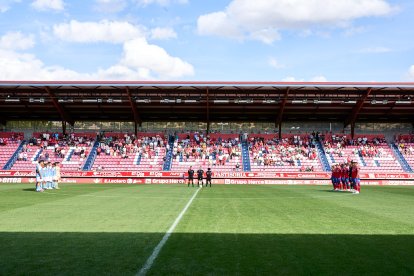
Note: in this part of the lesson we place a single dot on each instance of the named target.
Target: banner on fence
(223, 175)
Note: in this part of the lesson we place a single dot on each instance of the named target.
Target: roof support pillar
(208, 111)
(278, 122)
(64, 115)
(137, 118)
(352, 130)
(64, 128)
(280, 131)
(357, 108)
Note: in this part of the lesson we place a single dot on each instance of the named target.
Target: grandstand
(247, 133)
(221, 151)
(291, 153)
(372, 152)
(122, 153)
(270, 127)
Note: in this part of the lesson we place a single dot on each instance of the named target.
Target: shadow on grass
(200, 254)
(332, 191)
(29, 190)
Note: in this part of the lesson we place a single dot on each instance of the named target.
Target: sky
(214, 40)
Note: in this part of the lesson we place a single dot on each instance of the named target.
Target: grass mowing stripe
(118, 196)
(148, 264)
(17, 196)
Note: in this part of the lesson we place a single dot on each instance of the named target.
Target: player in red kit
(333, 177)
(355, 178)
(345, 177)
(338, 174)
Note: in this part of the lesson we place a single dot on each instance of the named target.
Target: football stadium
(123, 203)
(184, 137)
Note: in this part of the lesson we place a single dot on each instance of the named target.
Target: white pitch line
(148, 264)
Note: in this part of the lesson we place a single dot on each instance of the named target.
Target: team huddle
(200, 176)
(47, 176)
(345, 177)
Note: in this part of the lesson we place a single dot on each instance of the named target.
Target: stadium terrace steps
(91, 157)
(332, 158)
(323, 157)
(69, 154)
(362, 160)
(14, 156)
(137, 159)
(37, 154)
(168, 157)
(246, 157)
(406, 160)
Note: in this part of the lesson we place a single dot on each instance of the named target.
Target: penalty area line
(148, 264)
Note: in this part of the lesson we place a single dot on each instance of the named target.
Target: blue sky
(234, 40)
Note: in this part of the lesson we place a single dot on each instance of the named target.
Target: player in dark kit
(190, 176)
(200, 173)
(208, 176)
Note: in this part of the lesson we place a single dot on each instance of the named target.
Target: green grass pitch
(228, 230)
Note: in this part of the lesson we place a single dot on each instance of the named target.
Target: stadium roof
(140, 101)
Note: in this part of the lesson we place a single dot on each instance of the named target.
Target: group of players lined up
(345, 177)
(47, 175)
(200, 176)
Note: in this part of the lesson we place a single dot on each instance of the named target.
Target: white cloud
(138, 60)
(21, 66)
(163, 33)
(218, 23)
(45, 5)
(273, 62)
(6, 4)
(268, 17)
(292, 79)
(139, 54)
(119, 72)
(92, 32)
(267, 36)
(411, 72)
(16, 41)
(108, 31)
(351, 31)
(319, 79)
(160, 2)
(313, 79)
(375, 50)
(110, 6)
